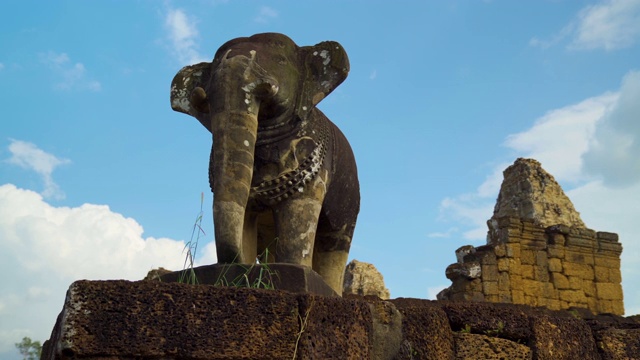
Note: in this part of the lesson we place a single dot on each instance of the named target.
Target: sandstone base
(279, 276)
(148, 320)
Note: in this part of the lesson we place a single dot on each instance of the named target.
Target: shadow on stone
(288, 277)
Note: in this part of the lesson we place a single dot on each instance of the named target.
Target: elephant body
(284, 176)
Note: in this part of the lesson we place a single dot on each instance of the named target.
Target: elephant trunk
(234, 124)
(233, 168)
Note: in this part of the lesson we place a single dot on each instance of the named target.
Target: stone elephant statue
(283, 176)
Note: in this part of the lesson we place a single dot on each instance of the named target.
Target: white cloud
(609, 25)
(55, 59)
(614, 151)
(373, 75)
(30, 157)
(469, 210)
(89, 241)
(559, 138)
(555, 39)
(1, 66)
(266, 14)
(72, 76)
(207, 255)
(592, 149)
(491, 184)
(44, 248)
(443, 235)
(182, 33)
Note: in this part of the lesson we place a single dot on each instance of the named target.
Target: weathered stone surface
(426, 331)
(361, 278)
(152, 319)
(529, 192)
(561, 338)
(512, 321)
(148, 320)
(476, 346)
(616, 337)
(387, 328)
(609, 291)
(334, 328)
(618, 344)
(527, 261)
(463, 251)
(470, 271)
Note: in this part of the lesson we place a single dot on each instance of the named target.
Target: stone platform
(280, 276)
(148, 320)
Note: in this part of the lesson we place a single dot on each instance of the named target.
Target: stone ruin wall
(539, 252)
(120, 319)
(557, 267)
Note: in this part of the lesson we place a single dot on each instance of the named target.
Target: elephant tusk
(265, 89)
(262, 88)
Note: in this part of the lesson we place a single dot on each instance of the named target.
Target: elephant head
(256, 89)
(307, 75)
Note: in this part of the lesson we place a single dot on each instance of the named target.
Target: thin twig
(303, 326)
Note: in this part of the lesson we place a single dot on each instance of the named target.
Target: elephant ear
(326, 65)
(182, 91)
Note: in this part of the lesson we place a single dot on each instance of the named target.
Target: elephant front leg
(296, 226)
(240, 246)
(296, 221)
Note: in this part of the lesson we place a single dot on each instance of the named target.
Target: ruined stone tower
(539, 252)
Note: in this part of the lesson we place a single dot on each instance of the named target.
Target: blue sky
(100, 179)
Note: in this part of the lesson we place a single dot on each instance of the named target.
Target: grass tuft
(264, 280)
(188, 275)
